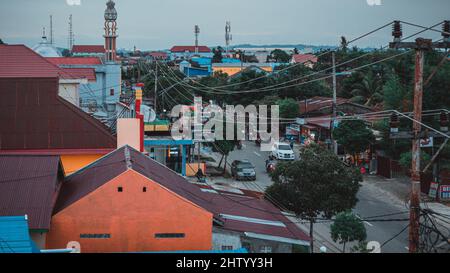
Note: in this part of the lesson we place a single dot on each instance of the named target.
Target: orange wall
(236, 69)
(132, 217)
(73, 163)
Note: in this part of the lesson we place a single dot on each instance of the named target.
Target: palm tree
(369, 91)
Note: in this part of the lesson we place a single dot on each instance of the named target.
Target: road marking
(257, 154)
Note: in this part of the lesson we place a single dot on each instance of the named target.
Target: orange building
(113, 205)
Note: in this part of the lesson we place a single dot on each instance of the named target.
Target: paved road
(372, 202)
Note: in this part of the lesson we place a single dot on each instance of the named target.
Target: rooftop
(29, 186)
(182, 49)
(88, 49)
(237, 212)
(75, 61)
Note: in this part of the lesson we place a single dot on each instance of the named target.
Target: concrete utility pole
(334, 143)
(420, 46)
(155, 101)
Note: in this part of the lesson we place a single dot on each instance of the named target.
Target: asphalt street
(374, 204)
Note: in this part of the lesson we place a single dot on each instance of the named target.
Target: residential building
(35, 119)
(234, 68)
(29, 186)
(101, 96)
(308, 60)
(158, 56)
(155, 209)
(188, 52)
(316, 117)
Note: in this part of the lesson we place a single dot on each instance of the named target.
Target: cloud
(73, 2)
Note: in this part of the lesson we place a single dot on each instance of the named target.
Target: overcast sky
(160, 24)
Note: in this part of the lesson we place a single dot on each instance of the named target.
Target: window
(111, 92)
(144, 189)
(225, 248)
(169, 235)
(120, 189)
(266, 249)
(95, 236)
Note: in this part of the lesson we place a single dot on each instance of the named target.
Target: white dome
(45, 49)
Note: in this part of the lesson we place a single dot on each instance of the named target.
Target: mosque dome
(46, 49)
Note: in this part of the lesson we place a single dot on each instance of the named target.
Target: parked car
(243, 170)
(283, 151)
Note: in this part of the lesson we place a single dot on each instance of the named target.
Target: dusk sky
(160, 24)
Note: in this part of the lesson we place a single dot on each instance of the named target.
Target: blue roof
(230, 60)
(14, 235)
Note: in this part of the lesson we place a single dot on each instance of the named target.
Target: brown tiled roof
(102, 171)
(29, 186)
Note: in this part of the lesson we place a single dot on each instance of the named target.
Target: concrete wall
(255, 245)
(225, 238)
(132, 218)
(70, 92)
(109, 76)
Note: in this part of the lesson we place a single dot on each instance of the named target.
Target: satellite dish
(149, 113)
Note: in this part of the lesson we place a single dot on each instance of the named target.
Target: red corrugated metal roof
(88, 49)
(34, 117)
(101, 172)
(18, 61)
(316, 103)
(180, 49)
(75, 61)
(79, 73)
(304, 58)
(29, 186)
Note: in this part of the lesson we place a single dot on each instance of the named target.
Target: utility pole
(197, 32)
(333, 122)
(51, 30)
(155, 101)
(420, 46)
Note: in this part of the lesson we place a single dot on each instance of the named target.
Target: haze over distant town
(159, 24)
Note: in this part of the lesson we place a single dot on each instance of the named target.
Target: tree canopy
(318, 185)
(347, 228)
(354, 136)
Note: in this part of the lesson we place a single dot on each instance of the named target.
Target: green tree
(369, 91)
(395, 95)
(406, 159)
(1, 42)
(318, 185)
(289, 108)
(347, 228)
(354, 136)
(217, 57)
(224, 147)
(280, 56)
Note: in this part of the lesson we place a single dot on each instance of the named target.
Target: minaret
(110, 31)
